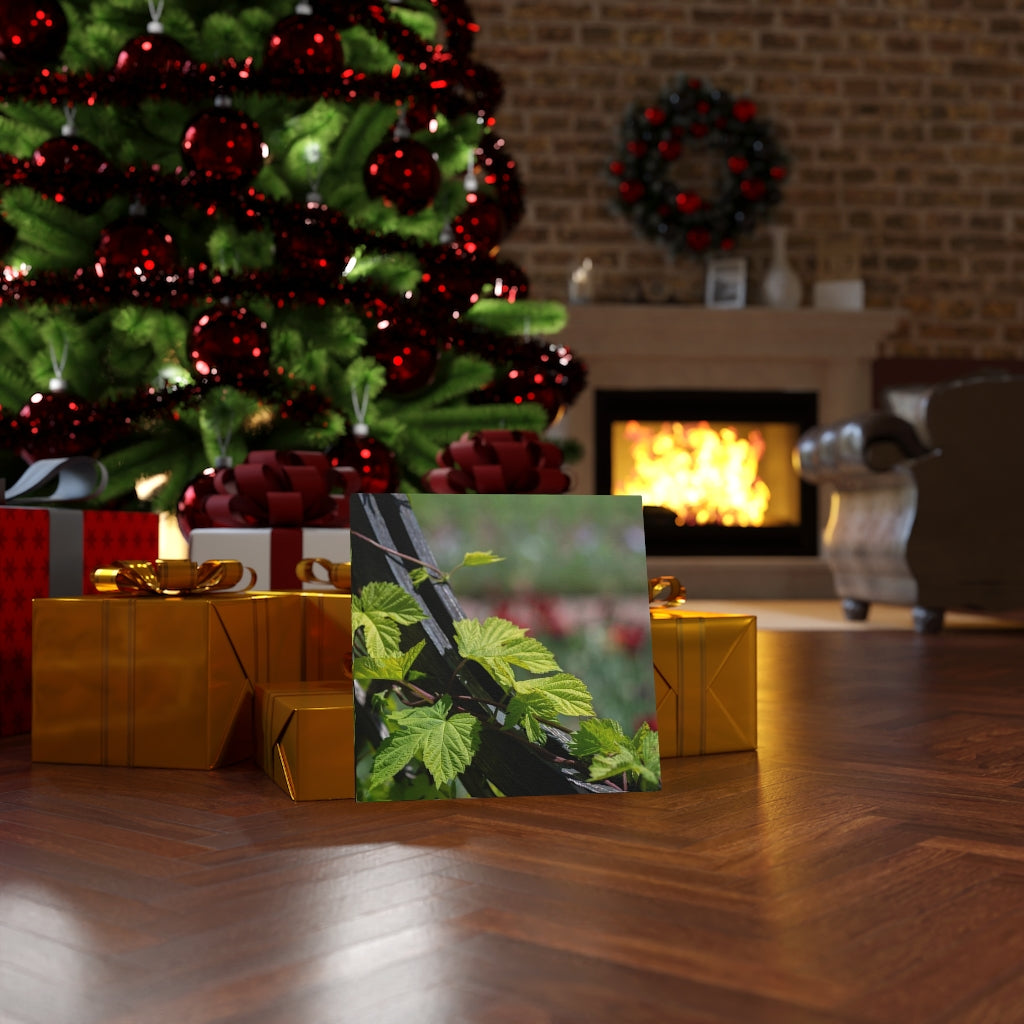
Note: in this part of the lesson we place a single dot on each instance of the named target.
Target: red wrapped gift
(50, 552)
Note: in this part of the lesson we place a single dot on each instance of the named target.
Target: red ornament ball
(137, 246)
(480, 228)
(191, 507)
(409, 357)
(372, 460)
(67, 169)
(148, 59)
(230, 342)
(32, 33)
(309, 244)
(223, 144)
(404, 174)
(55, 423)
(303, 44)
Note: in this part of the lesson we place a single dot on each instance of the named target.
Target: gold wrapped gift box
(705, 680)
(162, 682)
(307, 740)
(327, 629)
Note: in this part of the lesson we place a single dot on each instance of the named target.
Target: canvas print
(501, 646)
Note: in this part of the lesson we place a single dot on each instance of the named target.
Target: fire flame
(706, 476)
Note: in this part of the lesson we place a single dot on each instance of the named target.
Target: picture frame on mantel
(725, 284)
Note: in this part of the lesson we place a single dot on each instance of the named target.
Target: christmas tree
(229, 227)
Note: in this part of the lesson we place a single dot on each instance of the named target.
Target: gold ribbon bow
(169, 576)
(665, 590)
(339, 574)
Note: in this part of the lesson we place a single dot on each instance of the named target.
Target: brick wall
(903, 121)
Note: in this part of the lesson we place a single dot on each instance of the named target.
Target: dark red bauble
(518, 386)
(409, 357)
(454, 280)
(419, 115)
(309, 244)
(137, 246)
(479, 228)
(55, 423)
(69, 170)
(149, 58)
(223, 144)
(32, 32)
(403, 173)
(372, 460)
(510, 282)
(230, 343)
(303, 44)
(191, 507)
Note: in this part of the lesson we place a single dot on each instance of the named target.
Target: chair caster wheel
(928, 620)
(854, 610)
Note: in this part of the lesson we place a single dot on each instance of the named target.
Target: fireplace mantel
(661, 347)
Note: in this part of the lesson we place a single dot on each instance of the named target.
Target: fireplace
(714, 468)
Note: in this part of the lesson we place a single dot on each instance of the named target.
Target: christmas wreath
(690, 116)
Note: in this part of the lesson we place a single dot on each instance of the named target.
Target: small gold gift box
(307, 740)
(705, 681)
(162, 682)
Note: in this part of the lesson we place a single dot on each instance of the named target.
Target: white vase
(781, 287)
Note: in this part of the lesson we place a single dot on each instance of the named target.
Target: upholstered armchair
(926, 499)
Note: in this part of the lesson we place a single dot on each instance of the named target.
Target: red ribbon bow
(274, 488)
(499, 462)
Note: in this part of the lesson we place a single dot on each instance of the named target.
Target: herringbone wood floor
(866, 865)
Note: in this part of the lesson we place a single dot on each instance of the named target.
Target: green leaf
(481, 558)
(379, 610)
(445, 745)
(418, 576)
(391, 600)
(526, 712)
(597, 736)
(396, 667)
(615, 753)
(604, 766)
(562, 693)
(381, 635)
(646, 743)
(391, 757)
(498, 644)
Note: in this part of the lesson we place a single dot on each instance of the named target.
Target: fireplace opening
(714, 468)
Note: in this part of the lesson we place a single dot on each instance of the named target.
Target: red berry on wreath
(631, 191)
(404, 174)
(33, 33)
(303, 43)
(223, 143)
(744, 110)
